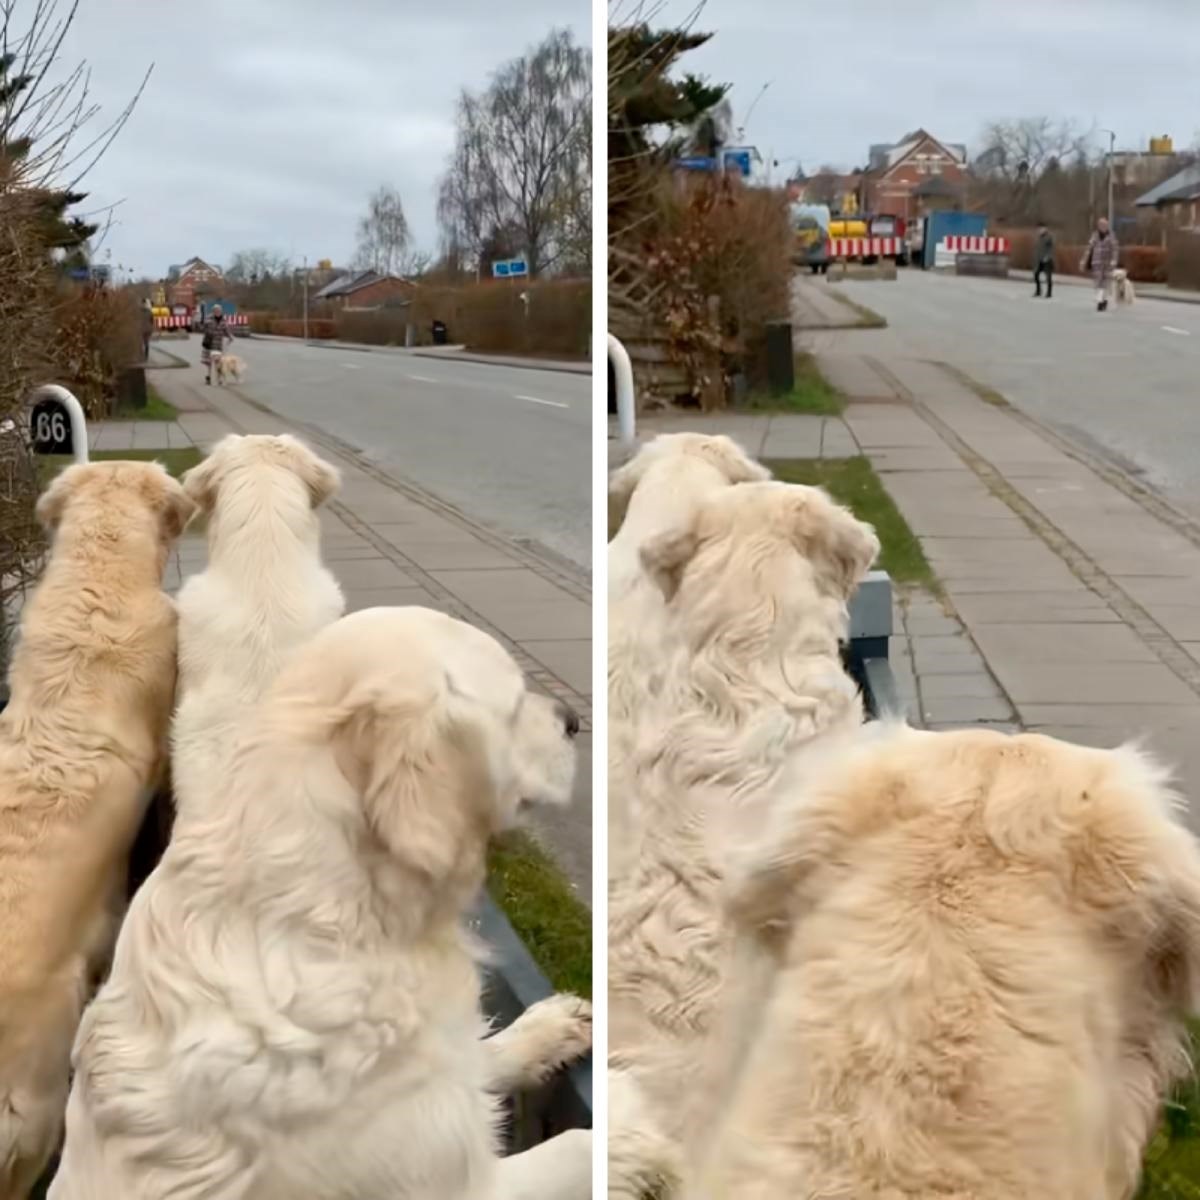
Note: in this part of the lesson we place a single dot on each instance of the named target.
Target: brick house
(364, 289)
(195, 279)
(914, 176)
(1176, 200)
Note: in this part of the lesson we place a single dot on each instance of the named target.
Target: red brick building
(364, 289)
(915, 176)
(194, 280)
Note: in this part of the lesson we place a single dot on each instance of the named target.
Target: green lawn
(811, 394)
(157, 409)
(176, 460)
(853, 482)
(554, 924)
(1173, 1160)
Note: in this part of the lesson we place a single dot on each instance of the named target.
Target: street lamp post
(1112, 149)
(306, 299)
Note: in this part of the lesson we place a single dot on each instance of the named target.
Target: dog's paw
(564, 1021)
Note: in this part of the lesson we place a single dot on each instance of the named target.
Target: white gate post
(79, 436)
(623, 377)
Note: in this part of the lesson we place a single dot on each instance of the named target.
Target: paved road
(509, 447)
(1125, 383)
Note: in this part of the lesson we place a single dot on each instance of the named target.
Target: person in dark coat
(1101, 260)
(215, 331)
(1043, 261)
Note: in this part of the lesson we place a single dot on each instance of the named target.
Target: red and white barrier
(959, 244)
(879, 247)
(185, 322)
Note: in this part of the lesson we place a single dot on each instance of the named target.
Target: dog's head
(114, 502)
(435, 727)
(239, 465)
(786, 546)
(719, 452)
(994, 868)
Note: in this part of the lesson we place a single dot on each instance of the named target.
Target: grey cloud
(268, 122)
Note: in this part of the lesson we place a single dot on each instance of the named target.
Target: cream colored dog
(1123, 287)
(229, 367)
(293, 1008)
(965, 963)
(264, 592)
(757, 587)
(81, 741)
(655, 492)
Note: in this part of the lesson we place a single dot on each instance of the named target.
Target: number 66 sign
(57, 424)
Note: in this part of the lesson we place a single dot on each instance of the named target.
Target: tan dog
(657, 491)
(293, 1008)
(756, 589)
(229, 367)
(1123, 287)
(965, 962)
(81, 741)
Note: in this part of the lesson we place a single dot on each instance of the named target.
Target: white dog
(655, 492)
(757, 586)
(294, 1003)
(1123, 287)
(229, 367)
(264, 592)
(964, 964)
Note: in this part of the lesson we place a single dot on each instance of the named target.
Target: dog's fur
(294, 1003)
(966, 962)
(82, 739)
(757, 587)
(229, 367)
(656, 492)
(1123, 287)
(264, 593)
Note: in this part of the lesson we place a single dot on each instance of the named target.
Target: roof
(1183, 185)
(354, 281)
(882, 155)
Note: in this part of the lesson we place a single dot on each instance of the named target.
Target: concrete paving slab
(1060, 642)
(476, 555)
(570, 660)
(372, 573)
(1095, 683)
(839, 441)
(795, 437)
(515, 585)
(1076, 606)
(387, 597)
(548, 620)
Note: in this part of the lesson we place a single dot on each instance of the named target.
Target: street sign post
(57, 424)
(510, 268)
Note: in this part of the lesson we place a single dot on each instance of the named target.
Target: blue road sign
(696, 162)
(509, 268)
(738, 160)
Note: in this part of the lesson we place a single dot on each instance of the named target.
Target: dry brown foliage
(99, 335)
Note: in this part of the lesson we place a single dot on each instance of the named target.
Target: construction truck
(810, 227)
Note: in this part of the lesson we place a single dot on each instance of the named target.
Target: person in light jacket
(1043, 261)
(1101, 260)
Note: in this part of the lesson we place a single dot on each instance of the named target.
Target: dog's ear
(731, 460)
(175, 506)
(201, 482)
(52, 503)
(666, 555)
(321, 478)
(840, 547)
(423, 783)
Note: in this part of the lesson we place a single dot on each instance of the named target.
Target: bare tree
(383, 234)
(522, 159)
(1021, 151)
(257, 264)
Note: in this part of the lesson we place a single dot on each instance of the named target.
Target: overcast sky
(844, 75)
(268, 122)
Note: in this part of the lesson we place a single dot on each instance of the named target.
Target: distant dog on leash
(1123, 287)
(229, 367)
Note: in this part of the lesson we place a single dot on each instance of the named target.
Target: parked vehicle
(886, 225)
(811, 223)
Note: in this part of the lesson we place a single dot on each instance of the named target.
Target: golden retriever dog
(653, 493)
(965, 963)
(264, 592)
(756, 587)
(1123, 287)
(229, 368)
(294, 1004)
(82, 740)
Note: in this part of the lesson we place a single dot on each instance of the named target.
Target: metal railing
(865, 652)
(618, 357)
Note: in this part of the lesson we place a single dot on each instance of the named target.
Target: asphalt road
(1125, 383)
(510, 447)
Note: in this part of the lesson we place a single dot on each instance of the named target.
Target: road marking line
(536, 400)
(423, 378)
(1181, 332)
(352, 366)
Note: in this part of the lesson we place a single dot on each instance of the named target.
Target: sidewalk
(1147, 291)
(389, 542)
(1070, 595)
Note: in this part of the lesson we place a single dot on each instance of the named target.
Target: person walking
(1101, 260)
(215, 331)
(147, 328)
(1043, 261)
